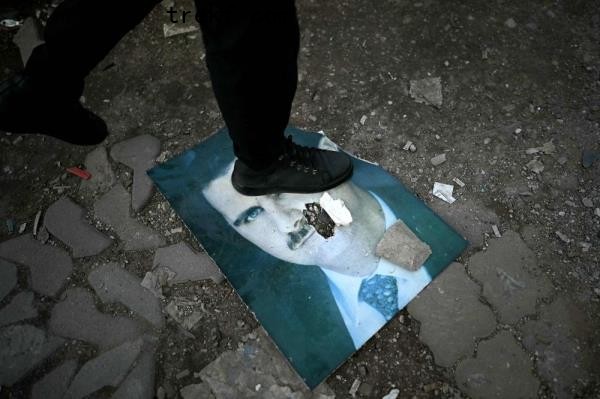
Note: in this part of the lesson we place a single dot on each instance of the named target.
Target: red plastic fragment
(84, 174)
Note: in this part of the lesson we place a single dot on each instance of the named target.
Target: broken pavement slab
(65, 220)
(427, 91)
(49, 266)
(108, 369)
(113, 209)
(500, 370)
(139, 153)
(196, 391)
(22, 348)
(103, 176)
(8, 278)
(511, 280)
(28, 37)
(449, 310)
(257, 370)
(139, 383)
(402, 247)
(564, 356)
(187, 264)
(76, 317)
(54, 384)
(115, 284)
(19, 309)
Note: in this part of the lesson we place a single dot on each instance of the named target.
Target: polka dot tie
(381, 292)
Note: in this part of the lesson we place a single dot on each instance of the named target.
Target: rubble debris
(585, 246)
(402, 247)
(184, 312)
(185, 265)
(547, 148)
(319, 219)
(438, 159)
(182, 374)
(393, 394)
(81, 173)
(510, 23)
(175, 29)
(407, 145)
(535, 166)
(458, 181)
(561, 160)
(587, 202)
(496, 231)
(336, 209)
(98, 165)
(562, 236)
(155, 280)
(363, 119)
(444, 192)
(427, 91)
(354, 387)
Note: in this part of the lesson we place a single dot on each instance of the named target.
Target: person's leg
(251, 51)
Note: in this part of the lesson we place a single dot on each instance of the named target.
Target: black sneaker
(297, 170)
(27, 108)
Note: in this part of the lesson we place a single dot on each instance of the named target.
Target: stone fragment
(535, 165)
(65, 220)
(107, 369)
(139, 383)
(354, 387)
(563, 237)
(427, 91)
(49, 266)
(8, 278)
(196, 391)
(76, 317)
(54, 384)
(511, 279)
(179, 310)
(114, 284)
(449, 310)
(588, 203)
(501, 370)
(438, 159)
(139, 153)
(103, 177)
(510, 23)
(22, 348)
(28, 37)
(113, 209)
(231, 376)
(178, 29)
(393, 394)
(560, 338)
(20, 308)
(402, 247)
(187, 264)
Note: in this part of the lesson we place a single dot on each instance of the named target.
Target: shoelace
(298, 156)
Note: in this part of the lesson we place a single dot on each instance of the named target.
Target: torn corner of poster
(336, 209)
(444, 192)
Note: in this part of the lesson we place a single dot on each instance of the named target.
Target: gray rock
(427, 91)
(450, 311)
(22, 348)
(54, 384)
(49, 266)
(65, 220)
(139, 153)
(560, 338)
(139, 383)
(8, 278)
(113, 209)
(196, 391)
(401, 246)
(108, 369)
(20, 308)
(103, 177)
(501, 370)
(187, 264)
(236, 374)
(438, 159)
(114, 284)
(28, 37)
(76, 317)
(511, 280)
(470, 219)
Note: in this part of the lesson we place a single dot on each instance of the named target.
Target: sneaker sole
(254, 192)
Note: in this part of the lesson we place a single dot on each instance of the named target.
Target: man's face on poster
(275, 223)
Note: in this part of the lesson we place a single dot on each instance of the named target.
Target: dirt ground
(506, 88)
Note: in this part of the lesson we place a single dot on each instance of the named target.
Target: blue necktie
(381, 292)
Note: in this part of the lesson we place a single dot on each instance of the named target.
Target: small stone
(54, 384)
(187, 264)
(65, 220)
(113, 209)
(412, 148)
(427, 91)
(20, 308)
(587, 202)
(486, 141)
(438, 159)
(114, 284)
(496, 231)
(407, 145)
(562, 160)
(108, 369)
(354, 387)
(8, 278)
(161, 394)
(49, 266)
(139, 153)
(170, 30)
(458, 181)
(562, 237)
(402, 247)
(588, 157)
(393, 394)
(510, 23)
(535, 166)
(363, 119)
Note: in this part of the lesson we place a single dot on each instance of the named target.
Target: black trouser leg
(251, 52)
(78, 36)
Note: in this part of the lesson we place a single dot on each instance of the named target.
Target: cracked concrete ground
(515, 316)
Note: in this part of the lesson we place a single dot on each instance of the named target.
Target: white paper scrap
(336, 209)
(444, 192)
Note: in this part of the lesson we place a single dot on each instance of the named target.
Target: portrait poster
(319, 299)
